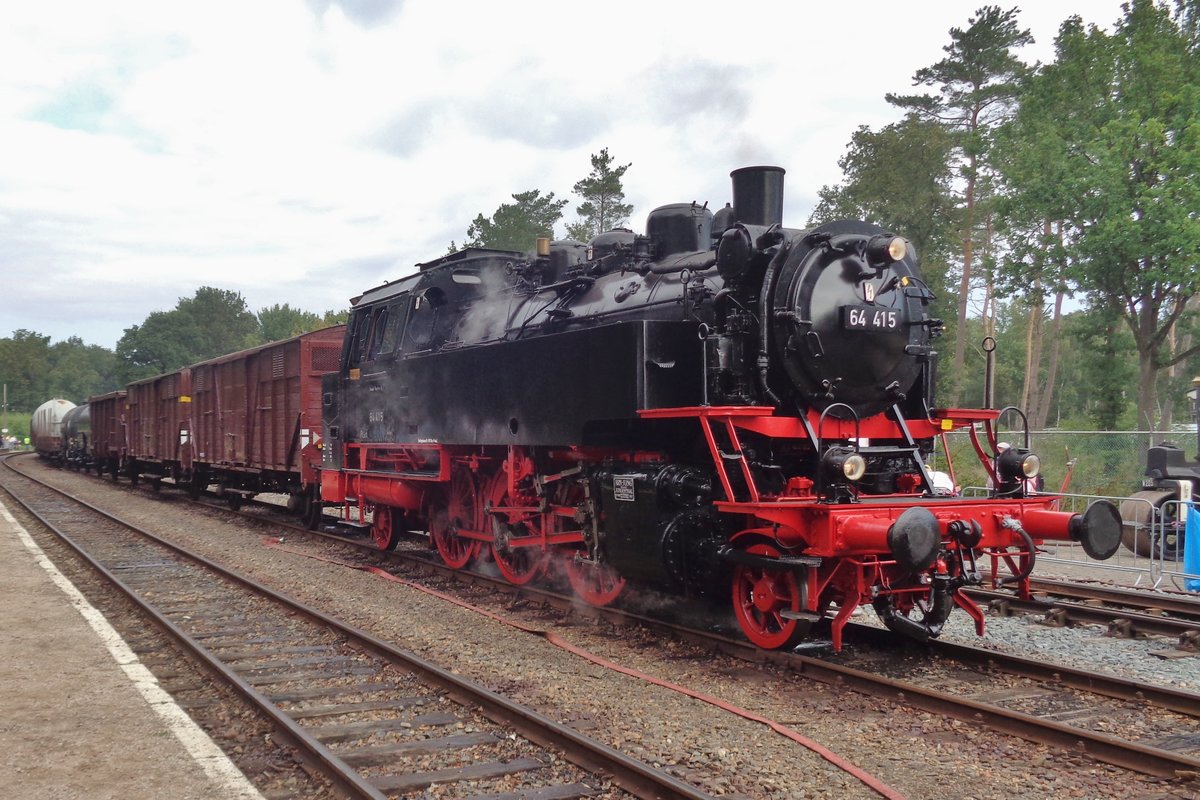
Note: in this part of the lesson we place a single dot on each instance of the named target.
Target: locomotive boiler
(721, 407)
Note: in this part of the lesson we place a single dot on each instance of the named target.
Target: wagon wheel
(519, 558)
(760, 598)
(313, 509)
(595, 584)
(450, 511)
(1138, 533)
(385, 528)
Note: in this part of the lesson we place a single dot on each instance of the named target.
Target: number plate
(870, 318)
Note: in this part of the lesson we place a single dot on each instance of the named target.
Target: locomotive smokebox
(758, 195)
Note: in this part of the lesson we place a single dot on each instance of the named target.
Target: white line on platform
(229, 779)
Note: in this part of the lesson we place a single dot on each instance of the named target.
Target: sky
(302, 151)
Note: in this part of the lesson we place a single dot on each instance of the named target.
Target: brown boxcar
(109, 447)
(256, 416)
(158, 429)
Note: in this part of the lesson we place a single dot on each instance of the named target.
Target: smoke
(486, 319)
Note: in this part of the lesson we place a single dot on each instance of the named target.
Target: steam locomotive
(722, 407)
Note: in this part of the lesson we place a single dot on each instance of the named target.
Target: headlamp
(1017, 464)
(885, 248)
(843, 464)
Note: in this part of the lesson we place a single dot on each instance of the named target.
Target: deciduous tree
(281, 321)
(1115, 121)
(211, 323)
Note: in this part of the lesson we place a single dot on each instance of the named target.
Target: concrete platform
(80, 716)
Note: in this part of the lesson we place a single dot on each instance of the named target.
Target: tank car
(45, 427)
(722, 407)
(76, 429)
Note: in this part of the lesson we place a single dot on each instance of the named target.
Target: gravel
(921, 755)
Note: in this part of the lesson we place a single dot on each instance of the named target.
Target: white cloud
(301, 152)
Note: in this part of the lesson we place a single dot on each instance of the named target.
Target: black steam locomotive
(723, 406)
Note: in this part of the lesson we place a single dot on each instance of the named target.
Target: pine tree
(517, 226)
(602, 208)
(977, 84)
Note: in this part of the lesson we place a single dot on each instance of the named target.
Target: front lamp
(842, 464)
(885, 249)
(1017, 464)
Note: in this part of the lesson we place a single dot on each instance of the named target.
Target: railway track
(1044, 703)
(1148, 729)
(373, 719)
(1124, 612)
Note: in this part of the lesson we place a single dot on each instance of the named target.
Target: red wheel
(457, 509)
(384, 528)
(761, 595)
(595, 584)
(518, 559)
(517, 544)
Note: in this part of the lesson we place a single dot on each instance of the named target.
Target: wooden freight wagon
(108, 445)
(158, 427)
(257, 417)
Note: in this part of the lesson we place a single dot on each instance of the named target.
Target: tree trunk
(1042, 412)
(1146, 395)
(964, 288)
(1033, 348)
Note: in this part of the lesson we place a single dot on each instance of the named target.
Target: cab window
(389, 336)
(360, 328)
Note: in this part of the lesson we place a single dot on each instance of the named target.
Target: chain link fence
(1100, 463)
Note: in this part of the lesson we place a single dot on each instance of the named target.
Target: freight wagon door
(204, 410)
(277, 406)
(234, 404)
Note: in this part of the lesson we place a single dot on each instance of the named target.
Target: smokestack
(758, 195)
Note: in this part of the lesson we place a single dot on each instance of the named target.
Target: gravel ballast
(921, 755)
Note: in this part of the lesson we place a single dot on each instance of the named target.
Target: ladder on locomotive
(740, 486)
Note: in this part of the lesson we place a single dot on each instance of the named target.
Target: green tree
(976, 84)
(165, 341)
(222, 321)
(211, 323)
(77, 371)
(23, 359)
(603, 207)
(1117, 120)
(517, 226)
(1108, 371)
(281, 321)
(332, 317)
